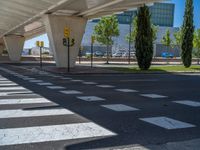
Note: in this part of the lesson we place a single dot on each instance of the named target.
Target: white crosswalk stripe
(24, 101)
(18, 113)
(51, 133)
(12, 88)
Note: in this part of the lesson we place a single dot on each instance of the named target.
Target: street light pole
(130, 30)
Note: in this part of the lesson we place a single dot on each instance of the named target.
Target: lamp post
(92, 49)
(130, 31)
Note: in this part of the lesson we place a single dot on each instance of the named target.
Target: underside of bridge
(24, 19)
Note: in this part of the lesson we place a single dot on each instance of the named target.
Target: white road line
(24, 101)
(70, 92)
(188, 103)
(15, 93)
(35, 81)
(8, 84)
(45, 84)
(167, 123)
(105, 86)
(153, 96)
(55, 87)
(18, 113)
(52, 133)
(126, 90)
(12, 88)
(91, 98)
(119, 107)
(77, 80)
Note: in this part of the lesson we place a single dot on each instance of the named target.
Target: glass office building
(162, 14)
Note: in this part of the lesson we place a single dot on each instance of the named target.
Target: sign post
(40, 44)
(68, 43)
(92, 49)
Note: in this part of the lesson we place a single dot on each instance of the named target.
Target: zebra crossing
(42, 133)
(88, 129)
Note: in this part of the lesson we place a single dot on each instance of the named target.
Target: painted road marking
(189, 103)
(55, 87)
(167, 123)
(91, 98)
(119, 107)
(77, 80)
(35, 81)
(52, 133)
(12, 88)
(105, 86)
(68, 92)
(8, 84)
(16, 93)
(45, 84)
(153, 96)
(19, 113)
(89, 83)
(24, 101)
(126, 90)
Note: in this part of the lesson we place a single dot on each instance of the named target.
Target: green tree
(144, 39)
(196, 43)
(166, 40)
(105, 30)
(187, 35)
(178, 38)
(135, 29)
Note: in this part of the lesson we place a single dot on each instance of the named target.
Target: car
(98, 54)
(132, 54)
(167, 55)
(118, 54)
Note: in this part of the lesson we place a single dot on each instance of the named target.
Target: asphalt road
(52, 111)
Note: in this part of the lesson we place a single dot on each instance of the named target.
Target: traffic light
(67, 32)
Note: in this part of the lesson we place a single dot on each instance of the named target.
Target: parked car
(98, 54)
(118, 54)
(167, 55)
(132, 54)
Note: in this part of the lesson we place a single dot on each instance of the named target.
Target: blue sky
(178, 20)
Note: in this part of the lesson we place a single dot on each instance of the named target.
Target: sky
(178, 20)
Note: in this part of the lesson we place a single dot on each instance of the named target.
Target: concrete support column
(55, 30)
(1, 49)
(14, 44)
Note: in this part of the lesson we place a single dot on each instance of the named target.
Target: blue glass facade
(162, 14)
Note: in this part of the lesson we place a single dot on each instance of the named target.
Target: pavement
(50, 111)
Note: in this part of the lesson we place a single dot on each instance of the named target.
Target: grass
(159, 69)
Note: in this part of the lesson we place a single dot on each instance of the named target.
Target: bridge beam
(55, 30)
(14, 45)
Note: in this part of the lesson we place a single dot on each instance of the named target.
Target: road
(96, 111)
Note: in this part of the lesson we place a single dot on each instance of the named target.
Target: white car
(132, 54)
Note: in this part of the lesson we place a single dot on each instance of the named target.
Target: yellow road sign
(67, 32)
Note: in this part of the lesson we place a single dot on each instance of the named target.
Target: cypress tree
(144, 39)
(187, 35)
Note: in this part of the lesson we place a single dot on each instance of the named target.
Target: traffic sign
(66, 32)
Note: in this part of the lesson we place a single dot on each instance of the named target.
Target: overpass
(25, 19)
